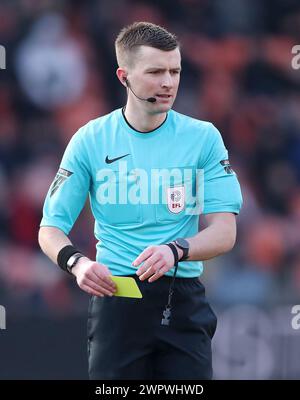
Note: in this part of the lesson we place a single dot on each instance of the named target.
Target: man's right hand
(93, 278)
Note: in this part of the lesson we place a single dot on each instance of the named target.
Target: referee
(149, 172)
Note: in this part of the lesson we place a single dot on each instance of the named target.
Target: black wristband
(64, 255)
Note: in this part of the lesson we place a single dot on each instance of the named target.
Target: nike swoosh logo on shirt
(108, 161)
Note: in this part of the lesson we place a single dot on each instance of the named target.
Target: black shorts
(127, 341)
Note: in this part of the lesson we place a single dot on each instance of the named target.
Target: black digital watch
(184, 245)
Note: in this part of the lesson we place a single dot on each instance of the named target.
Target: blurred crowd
(237, 73)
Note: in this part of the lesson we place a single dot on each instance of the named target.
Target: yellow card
(126, 287)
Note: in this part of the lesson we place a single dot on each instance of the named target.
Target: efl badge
(176, 199)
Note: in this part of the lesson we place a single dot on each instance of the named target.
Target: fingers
(148, 263)
(95, 280)
(103, 284)
(143, 256)
(154, 269)
(158, 274)
(96, 289)
(106, 281)
(154, 258)
(91, 291)
(101, 271)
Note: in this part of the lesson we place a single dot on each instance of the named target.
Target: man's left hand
(157, 261)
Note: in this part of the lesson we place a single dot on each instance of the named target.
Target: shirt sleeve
(222, 192)
(68, 192)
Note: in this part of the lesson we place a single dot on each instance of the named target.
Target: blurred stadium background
(237, 73)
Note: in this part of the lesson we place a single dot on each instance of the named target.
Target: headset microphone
(149, 99)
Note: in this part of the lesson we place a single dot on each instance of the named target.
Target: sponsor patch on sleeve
(61, 176)
(227, 167)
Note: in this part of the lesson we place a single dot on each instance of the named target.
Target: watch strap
(185, 250)
(73, 260)
(174, 251)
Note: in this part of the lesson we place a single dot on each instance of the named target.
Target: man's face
(155, 73)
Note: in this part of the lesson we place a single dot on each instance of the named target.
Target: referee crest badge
(227, 167)
(176, 199)
(60, 177)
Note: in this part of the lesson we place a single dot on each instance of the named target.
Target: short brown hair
(142, 34)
